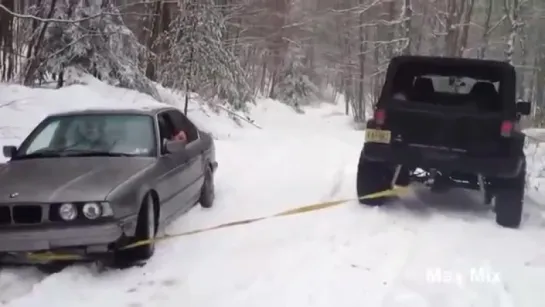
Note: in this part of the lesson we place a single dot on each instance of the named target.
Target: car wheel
(145, 232)
(208, 192)
(509, 200)
(372, 177)
(53, 267)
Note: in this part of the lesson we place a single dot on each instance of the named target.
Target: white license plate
(378, 136)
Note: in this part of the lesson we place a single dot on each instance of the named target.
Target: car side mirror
(175, 146)
(9, 151)
(524, 107)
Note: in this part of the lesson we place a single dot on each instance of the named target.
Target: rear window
(455, 84)
(470, 87)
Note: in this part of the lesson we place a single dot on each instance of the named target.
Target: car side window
(167, 129)
(181, 122)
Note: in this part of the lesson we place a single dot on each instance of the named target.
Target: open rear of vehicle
(450, 107)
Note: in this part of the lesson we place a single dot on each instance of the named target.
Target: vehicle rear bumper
(23, 239)
(441, 160)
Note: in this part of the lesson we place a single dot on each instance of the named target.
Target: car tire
(53, 267)
(146, 230)
(208, 193)
(372, 177)
(509, 200)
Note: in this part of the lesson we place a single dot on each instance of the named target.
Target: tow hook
(485, 191)
(432, 176)
(488, 196)
(396, 175)
(438, 182)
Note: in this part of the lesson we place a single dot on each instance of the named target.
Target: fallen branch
(239, 116)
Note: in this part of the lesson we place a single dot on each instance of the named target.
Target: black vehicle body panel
(450, 140)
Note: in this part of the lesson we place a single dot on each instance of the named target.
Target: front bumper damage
(17, 242)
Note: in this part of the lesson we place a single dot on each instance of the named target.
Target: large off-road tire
(509, 200)
(404, 177)
(146, 230)
(373, 177)
(208, 193)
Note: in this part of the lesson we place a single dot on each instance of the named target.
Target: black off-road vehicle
(448, 122)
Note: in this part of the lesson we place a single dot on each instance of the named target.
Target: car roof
(147, 110)
(450, 60)
(470, 67)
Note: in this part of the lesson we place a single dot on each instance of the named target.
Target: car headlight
(68, 212)
(92, 211)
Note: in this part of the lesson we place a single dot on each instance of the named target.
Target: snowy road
(344, 256)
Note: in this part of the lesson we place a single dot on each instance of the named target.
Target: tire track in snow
(405, 257)
(375, 223)
(415, 214)
(338, 180)
(411, 286)
(348, 158)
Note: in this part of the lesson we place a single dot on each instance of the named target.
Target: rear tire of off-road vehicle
(509, 200)
(372, 177)
(404, 177)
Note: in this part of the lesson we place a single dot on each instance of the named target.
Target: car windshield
(96, 134)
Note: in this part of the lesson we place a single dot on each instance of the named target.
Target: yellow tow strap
(396, 191)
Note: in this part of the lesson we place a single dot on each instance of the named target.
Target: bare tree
(296, 51)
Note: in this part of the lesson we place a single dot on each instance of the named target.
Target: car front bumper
(45, 238)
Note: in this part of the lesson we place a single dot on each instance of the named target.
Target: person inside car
(170, 133)
(89, 134)
(180, 136)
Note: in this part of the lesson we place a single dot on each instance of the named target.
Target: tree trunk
(34, 61)
(486, 31)
(465, 27)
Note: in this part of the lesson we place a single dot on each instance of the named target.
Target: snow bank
(218, 122)
(21, 108)
(323, 116)
(535, 158)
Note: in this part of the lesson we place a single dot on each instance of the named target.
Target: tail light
(380, 116)
(506, 128)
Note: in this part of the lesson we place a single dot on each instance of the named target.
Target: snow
(400, 255)
(21, 109)
(535, 155)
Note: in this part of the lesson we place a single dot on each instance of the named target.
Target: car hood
(66, 179)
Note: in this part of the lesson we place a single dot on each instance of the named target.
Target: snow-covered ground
(400, 255)
(535, 154)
